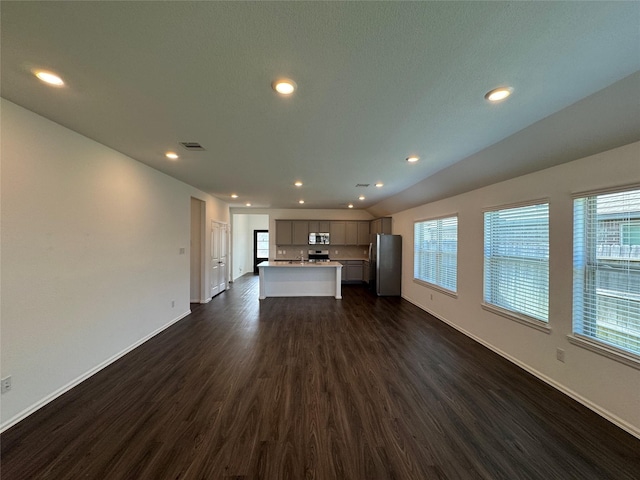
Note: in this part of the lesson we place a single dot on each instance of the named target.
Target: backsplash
(345, 252)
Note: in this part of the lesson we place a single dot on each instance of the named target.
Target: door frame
(255, 250)
(200, 270)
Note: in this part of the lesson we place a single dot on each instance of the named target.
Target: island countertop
(298, 263)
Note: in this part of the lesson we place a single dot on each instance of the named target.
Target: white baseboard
(52, 396)
(558, 386)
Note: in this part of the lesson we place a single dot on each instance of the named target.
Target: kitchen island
(300, 279)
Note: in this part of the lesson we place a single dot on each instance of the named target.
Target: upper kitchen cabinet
(357, 233)
(351, 233)
(381, 225)
(318, 226)
(300, 232)
(284, 232)
(338, 233)
(363, 233)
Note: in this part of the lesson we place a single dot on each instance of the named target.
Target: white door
(219, 253)
(222, 269)
(215, 258)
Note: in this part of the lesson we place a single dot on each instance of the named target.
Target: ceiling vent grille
(362, 184)
(191, 146)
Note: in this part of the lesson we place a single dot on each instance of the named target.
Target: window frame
(425, 282)
(517, 316)
(581, 282)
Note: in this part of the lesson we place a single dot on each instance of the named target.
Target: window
(435, 258)
(606, 269)
(516, 261)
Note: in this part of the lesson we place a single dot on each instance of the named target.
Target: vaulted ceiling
(377, 82)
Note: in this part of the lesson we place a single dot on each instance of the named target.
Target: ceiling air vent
(191, 146)
(362, 184)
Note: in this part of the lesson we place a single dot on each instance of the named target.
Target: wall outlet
(279, 252)
(364, 252)
(560, 355)
(336, 252)
(5, 383)
(284, 252)
(173, 303)
(182, 251)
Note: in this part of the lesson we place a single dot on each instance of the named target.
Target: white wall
(90, 256)
(243, 226)
(609, 387)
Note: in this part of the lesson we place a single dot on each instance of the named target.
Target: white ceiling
(377, 82)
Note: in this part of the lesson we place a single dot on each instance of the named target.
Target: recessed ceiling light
(351, 205)
(413, 159)
(498, 94)
(361, 197)
(234, 195)
(248, 204)
(379, 184)
(298, 183)
(171, 155)
(300, 202)
(50, 78)
(284, 86)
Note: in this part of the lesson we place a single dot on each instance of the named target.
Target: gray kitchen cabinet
(363, 233)
(284, 232)
(318, 226)
(300, 229)
(351, 235)
(354, 270)
(381, 225)
(338, 233)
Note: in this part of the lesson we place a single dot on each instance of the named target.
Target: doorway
(260, 248)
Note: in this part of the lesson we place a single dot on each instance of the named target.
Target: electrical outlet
(364, 252)
(5, 383)
(173, 303)
(182, 251)
(284, 252)
(560, 355)
(336, 252)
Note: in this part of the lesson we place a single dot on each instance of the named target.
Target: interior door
(260, 248)
(215, 258)
(222, 268)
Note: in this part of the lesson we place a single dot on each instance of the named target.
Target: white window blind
(516, 260)
(435, 258)
(606, 267)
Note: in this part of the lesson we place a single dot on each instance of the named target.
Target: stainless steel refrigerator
(385, 258)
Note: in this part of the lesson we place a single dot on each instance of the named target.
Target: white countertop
(298, 264)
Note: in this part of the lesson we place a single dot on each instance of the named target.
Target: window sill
(522, 319)
(438, 288)
(605, 350)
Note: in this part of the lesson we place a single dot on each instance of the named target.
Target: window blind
(516, 260)
(436, 252)
(606, 265)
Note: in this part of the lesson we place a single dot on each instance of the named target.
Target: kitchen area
(352, 247)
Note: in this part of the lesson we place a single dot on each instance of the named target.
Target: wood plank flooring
(314, 388)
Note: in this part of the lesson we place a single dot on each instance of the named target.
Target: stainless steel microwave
(318, 239)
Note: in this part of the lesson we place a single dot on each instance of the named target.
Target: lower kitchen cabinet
(352, 271)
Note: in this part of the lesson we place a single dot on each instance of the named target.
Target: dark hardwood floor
(301, 388)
